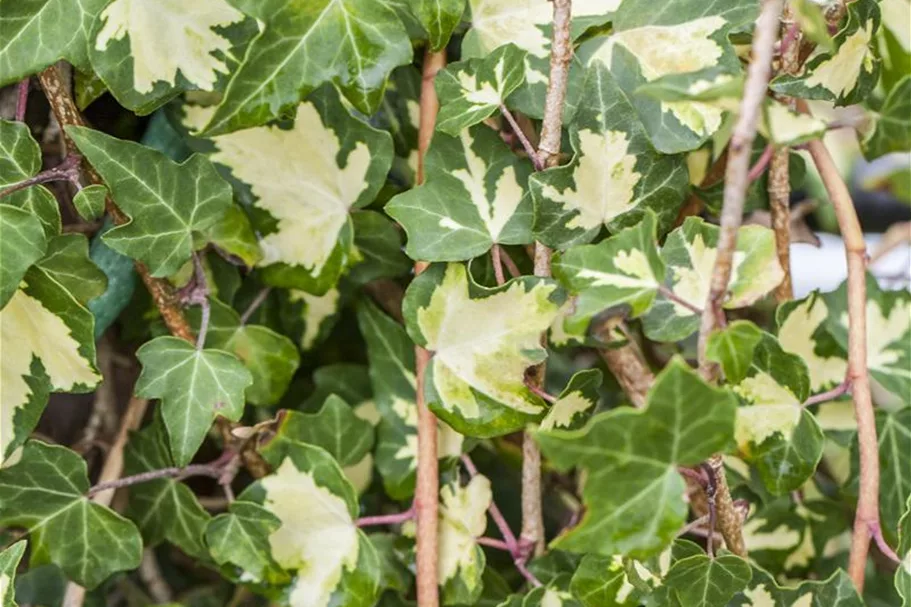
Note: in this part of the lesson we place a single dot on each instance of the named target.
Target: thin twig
(497, 261)
(510, 264)
(839, 390)
(711, 493)
(200, 296)
(254, 305)
(493, 543)
(761, 164)
(386, 519)
(520, 134)
(211, 470)
(151, 576)
(693, 525)
(68, 170)
(22, 98)
(671, 296)
(540, 392)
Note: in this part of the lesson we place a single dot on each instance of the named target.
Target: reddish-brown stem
(386, 519)
(493, 543)
(254, 305)
(670, 295)
(427, 484)
(761, 164)
(22, 98)
(510, 264)
(213, 469)
(68, 170)
(200, 296)
(520, 134)
(541, 392)
(839, 390)
(497, 261)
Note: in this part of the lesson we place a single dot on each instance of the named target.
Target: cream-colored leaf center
(463, 517)
(692, 284)
(796, 336)
(317, 308)
(565, 409)
(634, 272)
(839, 73)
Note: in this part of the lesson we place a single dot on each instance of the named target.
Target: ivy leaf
(849, 73)
(763, 591)
(733, 348)
(303, 181)
(474, 197)
(391, 355)
(633, 493)
(194, 386)
(67, 264)
(271, 358)
(623, 270)
(164, 508)
(812, 22)
(335, 428)
(352, 43)
(239, 542)
(474, 90)
(702, 581)
(784, 126)
(614, 176)
(9, 562)
(38, 33)
(377, 249)
(903, 573)
(318, 542)
(483, 340)
(576, 402)
(54, 334)
(439, 18)
(888, 334)
(169, 204)
(894, 47)
(689, 254)
(234, 235)
(550, 595)
(55, 511)
(685, 37)
(20, 158)
(22, 243)
(146, 53)
(802, 330)
(89, 202)
(602, 581)
(892, 126)
(312, 316)
(463, 517)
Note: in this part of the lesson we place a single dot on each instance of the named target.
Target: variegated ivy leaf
(164, 509)
(623, 271)
(888, 334)
(147, 51)
(303, 181)
(894, 43)
(576, 402)
(400, 115)
(471, 91)
(311, 316)
(774, 431)
(614, 176)
(812, 22)
(685, 36)
(9, 562)
(22, 243)
(603, 581)
(903, 573)
(483, 340)
(633, 492)
(352, 43)
(763, 591)
(331, 561)
(38, 33)
(391, 355)
(234, 235)
(54, 337)
(239, 541)
(55, 511)
(802, 330)
(786, 127)
(270, 357)
(170, 205)
(89, 202)
(20, 158)
(849, 73)
(194, 386)
(463, 517)
(474, 197)
(550, 595)
(439, 18)
(702, 581)
(891, 130)
(689, 254)
(378, 250)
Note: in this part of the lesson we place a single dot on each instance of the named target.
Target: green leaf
(55, 343)
(802, 330)
(684, 37)
(849, 73)
(474, 197)
(483, 340)
(733, 347)
(892, 126)
(271, 358)
(391, 355)
(463, 517)
(702, 581)
(763, 591)
(576, 402)
(439, 18)
(234, 235)
(38, 33)
(614, 176)
(89, 202)
(313, 316)
(22, 243)
(903, 573)
(894, 46)
(335, 428)
(893, 431)
(164, 509)
(9, 561)
(55, 511)
(689, 254)
(194, 386)
(549, 596)
(67, 264)
(474, 90)
(146, 53)
(169, 204)
(239, 541)
(624, 270)
(633, 492)
(602, 581)
(303, 181)
(784, 126)
(352, 43)
(20, 158)
(318, 542)
(812, 23)
(377, 249)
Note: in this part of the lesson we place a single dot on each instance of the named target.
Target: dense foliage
(238, 292)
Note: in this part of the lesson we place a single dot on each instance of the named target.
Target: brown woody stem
(68, 170)
(22, 98)
(520, 134)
